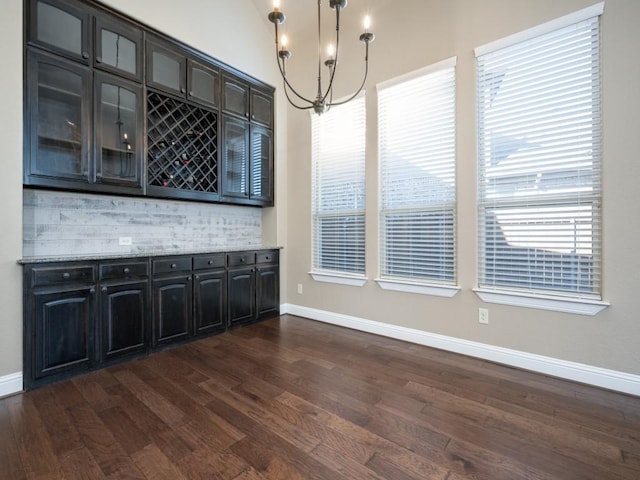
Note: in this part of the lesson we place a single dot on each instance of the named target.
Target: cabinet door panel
(63, 337)
(118, 129)
(268, 297)
(235, 96)
(241, 294)
(59, 118)
(171, 309)
(166, 69)
(203, 84)
(118, 48)
(62, 26)
(210, 302)
(262, 108)
(235, 179)
(124, 319)
(261, 164)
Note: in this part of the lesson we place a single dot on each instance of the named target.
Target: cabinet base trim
(578, 372)
(10, 384)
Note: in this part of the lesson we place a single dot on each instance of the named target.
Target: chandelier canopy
(324, 97)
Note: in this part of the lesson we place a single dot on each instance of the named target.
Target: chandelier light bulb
(276, 5)
(284, 41)
(367, 23)
(331, 51)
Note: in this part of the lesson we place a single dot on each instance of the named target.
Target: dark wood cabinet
(253, 286)
(118, 47)
(119, 127)
(58, 108)
(61, 26)
(172, 299)
(209, 294)
(174, 71)
(262, 107)
(235, 96)
(59, 336)
(124, 306)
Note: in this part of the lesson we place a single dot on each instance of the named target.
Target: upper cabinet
(118, 47)
(173, 71)
(62, 26)
(111, 106)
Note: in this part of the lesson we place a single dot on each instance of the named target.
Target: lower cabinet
(253, 282)
(79, 316)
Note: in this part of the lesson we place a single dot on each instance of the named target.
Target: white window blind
(338, 146)
(539, 163)
(417, 153)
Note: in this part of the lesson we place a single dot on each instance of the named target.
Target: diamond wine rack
(182, 145)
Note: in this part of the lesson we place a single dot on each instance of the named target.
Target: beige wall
(233, 32)
(415, 33)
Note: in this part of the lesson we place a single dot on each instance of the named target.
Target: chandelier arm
(281, 67)
(319, 95)
(335, 64)
(364, 80)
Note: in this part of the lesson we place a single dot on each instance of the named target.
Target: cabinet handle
(126, 270)
(98, 59)
(85, 55)
(66, 275)
(173, 265)
(104, 289)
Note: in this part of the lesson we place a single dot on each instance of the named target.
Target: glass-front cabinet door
(118, 48)
(118, 130)
(166, 69)
(262, 108)
(261, 167)
(203, 84)
(62, 26)
(235, 96)
(59, 110)
(235, 176)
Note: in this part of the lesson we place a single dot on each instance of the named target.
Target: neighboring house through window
(539, 154)
(417, 181)
(338, 197)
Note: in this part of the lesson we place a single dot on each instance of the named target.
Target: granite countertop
(163, 253)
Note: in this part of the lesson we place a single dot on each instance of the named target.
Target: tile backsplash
(71, 224)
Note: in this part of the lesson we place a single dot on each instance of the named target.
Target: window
(338, 145)
(539, 160)
(417, 139)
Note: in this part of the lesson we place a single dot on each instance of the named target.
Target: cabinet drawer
(241, 258)
(41, 276)
(268, 256)
(173, 264)
(124, 270)
(203, 262)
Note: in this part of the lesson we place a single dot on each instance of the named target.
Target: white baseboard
(10, 384)
(599, 377)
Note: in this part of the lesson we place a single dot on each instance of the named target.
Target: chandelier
(324, 97)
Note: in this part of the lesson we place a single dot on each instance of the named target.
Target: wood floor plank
(291, 398)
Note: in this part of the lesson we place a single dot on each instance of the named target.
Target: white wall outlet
(125, 241)
(483, 316)
(299, 289)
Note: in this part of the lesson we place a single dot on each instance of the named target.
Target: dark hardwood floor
(295, 399)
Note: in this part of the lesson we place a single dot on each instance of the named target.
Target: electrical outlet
(125, 241)
(483, 316)
(299, 289)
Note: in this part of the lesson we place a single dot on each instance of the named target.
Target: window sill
(556, 304)
(421, 288)
(351, 280)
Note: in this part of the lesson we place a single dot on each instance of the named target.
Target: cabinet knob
(242, 260)
(188, 278)
(210, 262)
(85, 55)
(126, 270)
(190, 93)
(197, 277)
(104, 289)
(66, 275)
(98, 59)
(92, 290)
(173, 265)
(182, 90)
(267, 257)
